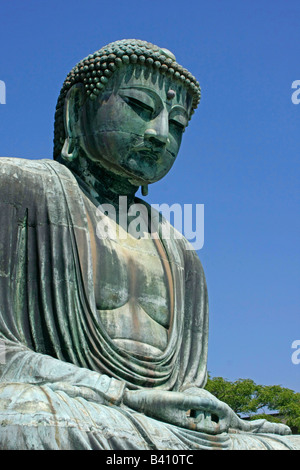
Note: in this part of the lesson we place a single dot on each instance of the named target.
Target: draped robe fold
(52, 341)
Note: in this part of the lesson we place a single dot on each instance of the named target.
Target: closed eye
(137, 105)
(177, 124)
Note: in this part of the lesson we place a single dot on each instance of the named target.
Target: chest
(129, 270)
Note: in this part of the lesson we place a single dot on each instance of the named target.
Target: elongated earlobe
(72, 112)
(70, 149)
(145, 190)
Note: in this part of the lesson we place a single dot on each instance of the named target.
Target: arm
(21, 365)
(198, 410)
(28, 255)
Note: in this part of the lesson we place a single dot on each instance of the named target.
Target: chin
(146, 173)
(140, 179)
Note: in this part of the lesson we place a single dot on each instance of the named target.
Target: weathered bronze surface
(105, 332)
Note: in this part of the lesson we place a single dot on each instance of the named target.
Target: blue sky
(239, 156)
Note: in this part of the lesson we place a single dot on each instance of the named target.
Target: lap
(38, 418)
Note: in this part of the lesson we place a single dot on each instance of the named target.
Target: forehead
(151, 81)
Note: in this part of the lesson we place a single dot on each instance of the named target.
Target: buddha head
(125, 107)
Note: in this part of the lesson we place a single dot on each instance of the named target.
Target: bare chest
(131, 285)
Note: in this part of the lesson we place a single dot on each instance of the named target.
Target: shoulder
(20, 178)
(13, 167)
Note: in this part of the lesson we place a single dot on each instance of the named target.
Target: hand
(265, 427)
(201, 412)
(235, 423)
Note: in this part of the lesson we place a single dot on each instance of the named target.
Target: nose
(158, 131)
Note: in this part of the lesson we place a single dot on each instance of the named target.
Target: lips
(149, 153)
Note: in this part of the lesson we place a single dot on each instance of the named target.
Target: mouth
(149, 154)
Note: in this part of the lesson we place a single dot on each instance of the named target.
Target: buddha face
(134, 128)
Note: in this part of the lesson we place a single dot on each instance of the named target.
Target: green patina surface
(105, 327)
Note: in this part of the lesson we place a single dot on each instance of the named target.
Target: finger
(206, 405)
(197, 403)
(207, 425)
(204, 421)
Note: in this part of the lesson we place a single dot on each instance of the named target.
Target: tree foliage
(247, 398)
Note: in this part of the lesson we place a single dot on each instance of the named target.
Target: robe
(62, 378)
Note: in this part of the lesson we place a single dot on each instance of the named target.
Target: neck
(100, 185)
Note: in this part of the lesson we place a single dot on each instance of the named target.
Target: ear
(72, 121)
